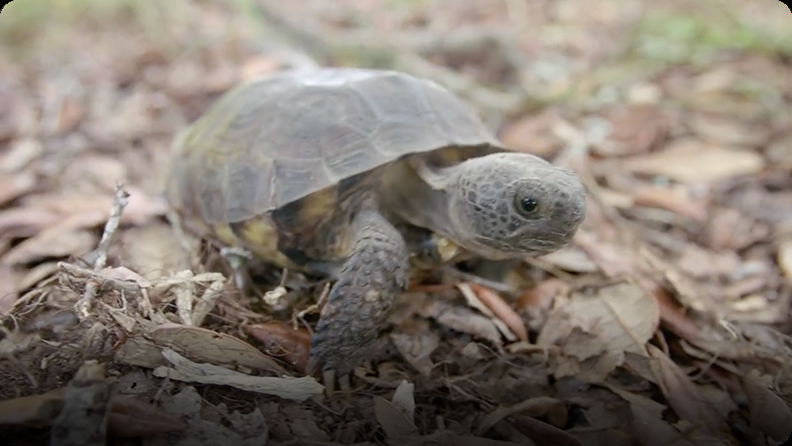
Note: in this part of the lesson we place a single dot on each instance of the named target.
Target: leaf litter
(664, 322)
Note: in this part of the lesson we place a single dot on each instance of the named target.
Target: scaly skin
(360, 301)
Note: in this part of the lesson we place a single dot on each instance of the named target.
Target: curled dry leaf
(501, 310)
(54, 242)
(532, 134)
(600, 328)
(673, 317)
(280, 340)
(542, 295)
(416, 343)
(205, 345)
(297, 389)
(769, 413)
(535, 407)
(14, 186)
(570, 259)
(728, 131)
(22, 152)
(33, 410)
(8, 289)
(784, 257)
(669, 200)
(399, 428)
(683, 396)
(154, 250)
(694, 161)
(463, 319)
(131, 417)
(542, 432)
(634, 129)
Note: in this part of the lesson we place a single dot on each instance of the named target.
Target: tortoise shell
(292, 136)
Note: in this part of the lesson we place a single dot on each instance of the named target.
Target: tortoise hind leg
(360, 301)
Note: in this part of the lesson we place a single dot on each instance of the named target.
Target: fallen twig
(83, 306)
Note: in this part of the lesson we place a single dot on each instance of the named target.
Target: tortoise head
(507, 205)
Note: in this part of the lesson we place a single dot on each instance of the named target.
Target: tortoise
(350, 173)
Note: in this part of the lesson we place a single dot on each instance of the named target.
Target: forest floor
(666, 321)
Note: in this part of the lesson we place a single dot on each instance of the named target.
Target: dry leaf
(33, 410)
(501, 310)
(784, 257)
(131, 417)
(399, 429)
(541, 296)
(404, 398)
(634, 130)
(465, 320)
(153, 250)
(683, 396)
(416, 342)
(667, 199)
(532, 134)
(282, 341)
(693, 161)
(600, 328)
(22, 152)
(13, 187)
(205, 345)
(727, 131)
(769, 413)
(8, 289)
(297, 389)
(53, 242)
(547, 432)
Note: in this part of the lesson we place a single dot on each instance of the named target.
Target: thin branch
(83, 306)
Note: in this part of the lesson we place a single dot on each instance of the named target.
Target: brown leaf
(635, 129)
(70, 113)
(8, 289)
(769, 413)
(26, 221)
(727, 131)
(694, 161)
(207, 346)
(501, 310)
(541, 296)
(33, 410)
(701, 263)
(463, 319)
(13, 187)
(54, 242)
(673, 317)
(22, 152)
(282, 341)
(543, 432)
(664, 198)
(153, 250)
(619, 318)
(131, 417)
(532, 134)
(416, 342)
(683, 396)
(648, 420)
(784, 257)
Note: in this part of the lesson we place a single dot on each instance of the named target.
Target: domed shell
(280, 138)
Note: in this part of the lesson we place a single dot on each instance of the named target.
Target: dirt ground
(666, 321)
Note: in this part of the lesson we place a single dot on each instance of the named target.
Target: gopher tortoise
(349, 173)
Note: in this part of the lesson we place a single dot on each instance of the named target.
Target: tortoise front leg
(360, 301)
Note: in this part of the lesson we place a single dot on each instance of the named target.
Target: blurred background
(676, 114)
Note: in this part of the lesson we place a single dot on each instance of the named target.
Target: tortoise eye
(527, 205)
